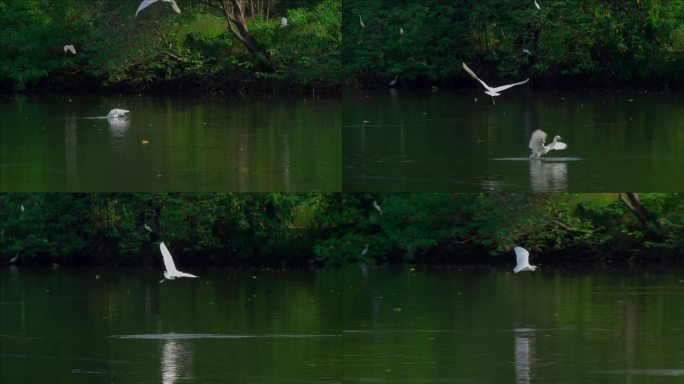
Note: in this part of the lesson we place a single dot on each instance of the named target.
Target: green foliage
(159, 49)
(334, 229)
(601, 41)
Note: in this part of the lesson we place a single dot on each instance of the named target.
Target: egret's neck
(166, 276)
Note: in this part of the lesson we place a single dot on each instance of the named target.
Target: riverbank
(277, 230)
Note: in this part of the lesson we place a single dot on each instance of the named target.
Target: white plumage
(538, 141)
(171, 271)
(492, 91)
(147, 3)
(536, 4)
(522, 258)
(283, 22)
(361, 22)
(116, 113)
(70, 48)
(394, 82)
(377, 207)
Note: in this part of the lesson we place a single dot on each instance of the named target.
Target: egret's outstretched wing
(147, 3)
(471, 73)
(537, 140)
(505, 87)
(557, 145)
(168, 260)
(521, 257)
(175, 6)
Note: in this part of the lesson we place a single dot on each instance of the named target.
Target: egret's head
(557, 138)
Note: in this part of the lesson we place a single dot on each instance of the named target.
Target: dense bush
(332, 229)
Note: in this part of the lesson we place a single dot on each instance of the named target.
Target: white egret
(522, 259)
(147, 3)
(538, 147)
(536, 4)
(116, 113)
(148, 228)
(14, 259)
(377, 207)
(70, 48)
(492, 91)
(361, 22)
(283, 22)
(401, 31)
(22, 208)
(527, 51)
(394, 82)
(171, 271)
(365, 250)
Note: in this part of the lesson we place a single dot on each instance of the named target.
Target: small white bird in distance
(538, 147)
(401, 31)
(394, 82)
(365, 250)
(536, 4)
(377, 207)
(361, 22)
(171, 271)
(70, 48)
(22, 208)
(147, 3)
(492, 91)
(148, 228)
(116, 113)
(522, 258)
(283, 22)
(527, 51)
(14, 259)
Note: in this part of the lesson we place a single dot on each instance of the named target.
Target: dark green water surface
(170, 144)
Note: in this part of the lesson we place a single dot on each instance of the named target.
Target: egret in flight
(171, 271)
(147, 3)
(70, 48)
(116, 113)
(361, 22)
(522, 259)
(492, 91)
(377, 207)
(283, 22)
(538, 147)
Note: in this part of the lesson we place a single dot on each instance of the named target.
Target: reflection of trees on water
(71, 148)
(176, 361)
(524, 354)
(548, 176)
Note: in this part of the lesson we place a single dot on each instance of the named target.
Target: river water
(354, 325)
(440, 141)
(62, 144)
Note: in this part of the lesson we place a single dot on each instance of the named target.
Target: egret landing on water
(537, 146)
(171, 271)
(492, 91)
(147, 3)
(70, 48)
(116, 113)
(522, 258)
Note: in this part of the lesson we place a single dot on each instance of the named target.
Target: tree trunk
(234, 11)
(635, 205)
